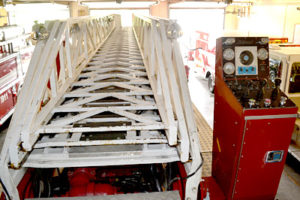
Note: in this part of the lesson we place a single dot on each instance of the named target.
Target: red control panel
(253, 121)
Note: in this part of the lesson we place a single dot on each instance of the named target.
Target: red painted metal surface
(241, 144)
(82, 184)
(8, 74)
(210, 189)
(180, 184)
(254, 172)
(91, 181)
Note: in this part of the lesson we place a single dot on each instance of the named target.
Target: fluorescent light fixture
(124, 4)
(198, 5)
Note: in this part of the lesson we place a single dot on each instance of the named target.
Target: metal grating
(204, 131)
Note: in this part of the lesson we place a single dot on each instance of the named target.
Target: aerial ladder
(98, 95)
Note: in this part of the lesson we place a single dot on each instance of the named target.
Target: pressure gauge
(246, 57)
(229, 41)
(229, 68)
(262, 54)
(228, 54)
(265, 40)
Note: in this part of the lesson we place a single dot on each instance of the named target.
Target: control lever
(261, 91)
(250, 85)
(245, 92)
(276, 90)
(283, 101)
(267, 103)
(252, 103)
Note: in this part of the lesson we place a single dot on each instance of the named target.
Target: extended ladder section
(97, 94)
(108, 116)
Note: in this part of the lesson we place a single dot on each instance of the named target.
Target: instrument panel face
(246, 60)
(245, 57)
(244, 63)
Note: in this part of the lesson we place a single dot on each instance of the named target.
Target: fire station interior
(223, 76)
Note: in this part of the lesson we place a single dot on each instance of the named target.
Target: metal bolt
(194, 189)
(189, 198)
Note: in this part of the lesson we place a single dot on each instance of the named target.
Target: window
(295, 78)
(275, 69)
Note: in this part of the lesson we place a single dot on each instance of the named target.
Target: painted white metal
(37, 99)
(116, 97)
(107, 155)
(152, 34)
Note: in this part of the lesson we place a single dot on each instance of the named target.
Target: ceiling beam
(40, 1)
(128, 8)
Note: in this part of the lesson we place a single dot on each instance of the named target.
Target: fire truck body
(9, 82)
(202, 58)
(14, 61)
(112, 108)
(105, 111)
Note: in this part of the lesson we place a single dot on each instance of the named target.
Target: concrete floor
(289, 187)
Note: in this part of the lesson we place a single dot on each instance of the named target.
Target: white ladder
(108, 116)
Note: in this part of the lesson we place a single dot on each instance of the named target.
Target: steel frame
(162, 58)
(74, 41)
(115, 96)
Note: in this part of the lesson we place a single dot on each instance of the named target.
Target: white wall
(210, 21)
(25, 14)
(126, 15)
(273, 20)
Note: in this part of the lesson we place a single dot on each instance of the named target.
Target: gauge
(229, 68)
(228, 54)
(246, 57)
(229, 41)
(265, 40)
(262, 54)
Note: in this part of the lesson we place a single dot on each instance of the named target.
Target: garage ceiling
(66, 1)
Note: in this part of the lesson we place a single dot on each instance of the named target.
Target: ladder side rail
(175, 91)
(193, 167)
(192, 183)
(156, 73)
(44, 86)
(172, 51)
(35, 89)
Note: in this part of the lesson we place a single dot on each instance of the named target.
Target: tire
(211, 87)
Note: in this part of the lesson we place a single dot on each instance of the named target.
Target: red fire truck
(201, 58)
(15, 54)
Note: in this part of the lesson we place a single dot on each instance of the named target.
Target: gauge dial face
(229, 41)
(229, 68)
(228, 54)
(262, 54)
(246, 57)
(265, 40)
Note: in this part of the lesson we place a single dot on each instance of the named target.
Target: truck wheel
(211, 85)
